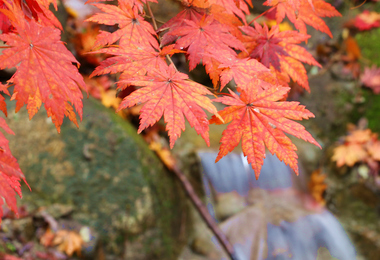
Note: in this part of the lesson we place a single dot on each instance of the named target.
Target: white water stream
(274, 216)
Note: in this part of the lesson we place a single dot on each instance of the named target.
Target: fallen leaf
(349, 154)
(68, 242)
(359, 136)
(317, 186)
(367, 20)
(352, 48)
(374, 150)
(9, 257)
(371, 78)
(47, 238)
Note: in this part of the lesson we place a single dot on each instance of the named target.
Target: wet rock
(229, 204)
(122, 188)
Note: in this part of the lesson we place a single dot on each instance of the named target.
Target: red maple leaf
(10, 173)
(243, 71)
(258, 120)
(133, 28)
(280, 50)
(301, 12)
(5, 24)
(238, 7)
(3, 104)
(205, 38)
(191, 13)
(45, 73)
(171, 94)
(137, 4)
(37, 10)
(132, 59)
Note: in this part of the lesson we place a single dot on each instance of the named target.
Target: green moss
(369, 43)
(372, 108)
(107, 173)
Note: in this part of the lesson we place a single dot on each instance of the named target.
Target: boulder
(107, 173)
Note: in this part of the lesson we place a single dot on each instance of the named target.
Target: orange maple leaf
(171, 94)
(133, 28)
(257, 119)
(45, 73)
(301, 12)
(280, 50)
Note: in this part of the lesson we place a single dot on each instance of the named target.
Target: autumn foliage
(254, 62)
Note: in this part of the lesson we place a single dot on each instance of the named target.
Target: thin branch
(202, 210)
(152, 16)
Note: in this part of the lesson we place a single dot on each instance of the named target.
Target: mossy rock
(107, 173)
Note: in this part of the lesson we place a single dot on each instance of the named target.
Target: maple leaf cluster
(261, 62)
(258, 61)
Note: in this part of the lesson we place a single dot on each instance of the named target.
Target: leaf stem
(270, 9)
(171, 61)
(156, 28)
(355, 7)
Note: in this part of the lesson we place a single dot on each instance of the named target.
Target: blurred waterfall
(273, 217)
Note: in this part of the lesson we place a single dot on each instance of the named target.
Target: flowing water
(273, 217)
